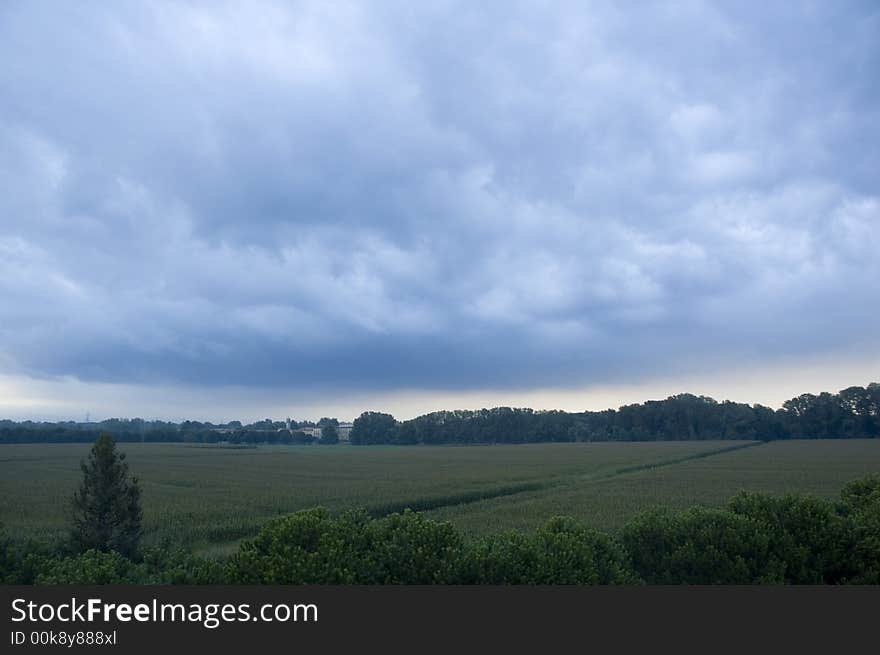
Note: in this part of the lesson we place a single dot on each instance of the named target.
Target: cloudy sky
(225, 211)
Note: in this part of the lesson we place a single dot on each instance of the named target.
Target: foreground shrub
(308, 546)
(805, 533)
(410, 549)
(158, 566)
(92, 567)
(313, 547)
(8, 559)
(860, 508)
(167, 565)
(21, 562)
(562, 552)
(701, 546)
(818, 541)
(861, 495)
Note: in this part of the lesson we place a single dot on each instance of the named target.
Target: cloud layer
(343, 196)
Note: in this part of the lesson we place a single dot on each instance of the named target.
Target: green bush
(701, 546)
(861, 495)
(309, 546)
(92, 567)
(157, 566)
(410, 549)
(176, 566)
(21, 562)
(313, 547)
(860, 508)
(8, 559)
(563, 551)
(805, 533)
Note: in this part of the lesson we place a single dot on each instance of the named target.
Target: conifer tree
(106, 507)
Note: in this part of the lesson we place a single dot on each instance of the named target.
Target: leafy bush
(861, 495)
(309, 546)
(805, 534)
(312, 547)
(410, 549)
(701, 546)
(92, 567)
(563, 551)
(860, 508)
(21, 562)
(8, 559)
(176, 566)
(158, 566)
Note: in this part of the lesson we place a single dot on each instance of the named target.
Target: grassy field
(206, 497)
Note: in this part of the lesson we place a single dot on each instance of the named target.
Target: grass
(208, 498)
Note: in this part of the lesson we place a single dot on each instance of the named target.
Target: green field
(208, 497)
(818, 467)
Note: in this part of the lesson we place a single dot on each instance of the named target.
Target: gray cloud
(330, 195)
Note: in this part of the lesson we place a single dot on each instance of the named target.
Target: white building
(344, 430)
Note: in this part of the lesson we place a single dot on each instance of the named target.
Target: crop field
(819, 467)
(209, 497)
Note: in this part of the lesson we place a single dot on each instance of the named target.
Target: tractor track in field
(466, 498)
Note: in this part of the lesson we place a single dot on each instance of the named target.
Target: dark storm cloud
(461, 196)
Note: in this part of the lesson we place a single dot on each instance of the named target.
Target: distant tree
(106, 507)
(299, 437)
(373, 428)
(329, 430)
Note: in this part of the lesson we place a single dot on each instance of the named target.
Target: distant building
(343, 430)
(315, 433)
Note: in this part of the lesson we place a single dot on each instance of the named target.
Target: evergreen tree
(106, 508)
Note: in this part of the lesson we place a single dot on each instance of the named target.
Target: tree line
(853, 412)
(138, 430)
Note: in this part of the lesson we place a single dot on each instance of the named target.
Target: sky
(246, 210)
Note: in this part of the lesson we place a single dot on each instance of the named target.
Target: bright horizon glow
(70, 399)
